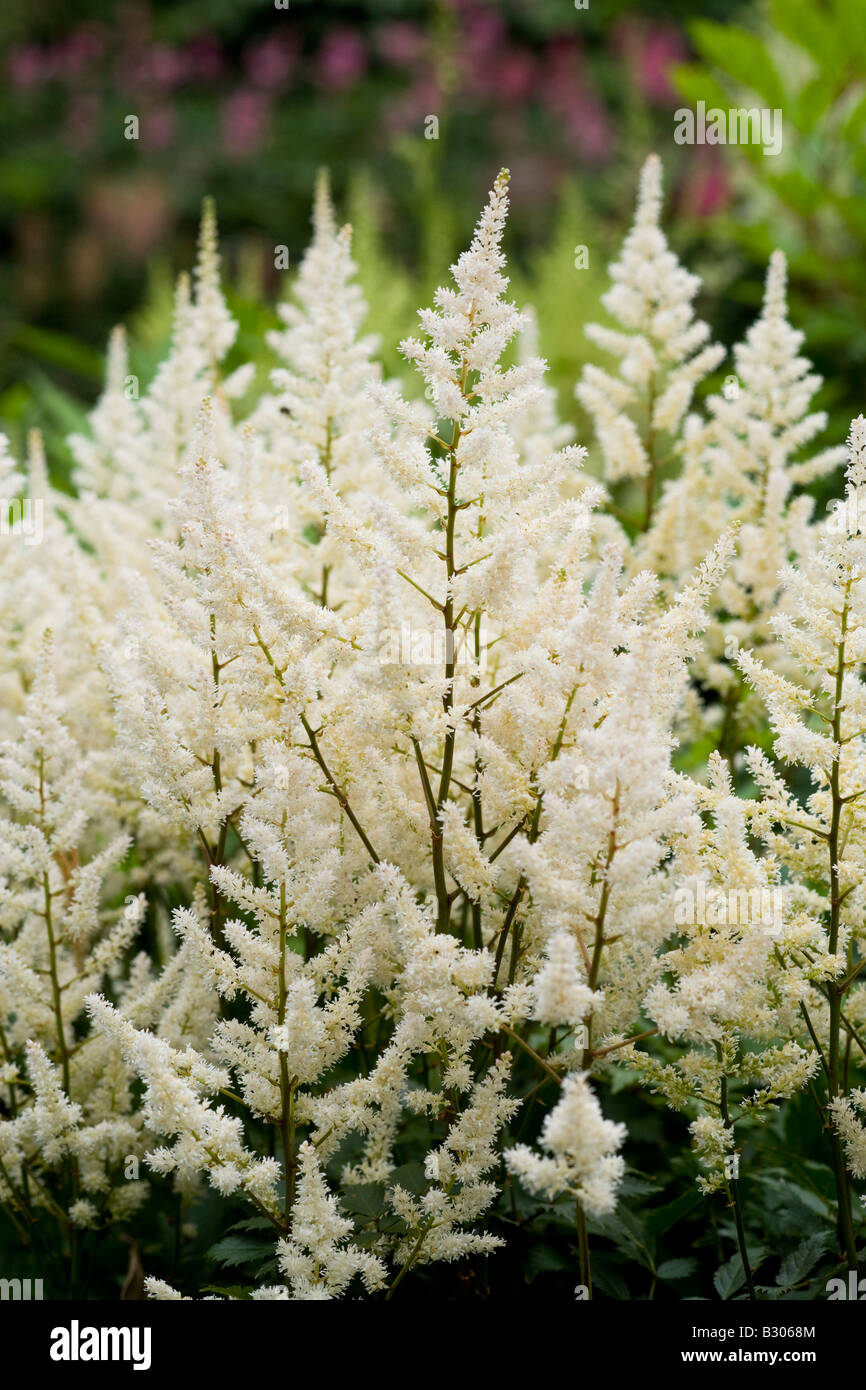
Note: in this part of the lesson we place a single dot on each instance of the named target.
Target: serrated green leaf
(729, 1277)
(252, 1223)
(239, 1250)
(799, 1262)
(626, 1232)
(607, 1278)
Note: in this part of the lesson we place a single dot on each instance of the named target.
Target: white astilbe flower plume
(580, 1152)
(662, 348)
(67, 1098)
(562, 996)
(742, 465)
(319, 1260)
(320, 414)
(344, 837)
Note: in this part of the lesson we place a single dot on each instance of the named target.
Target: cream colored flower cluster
(314, 928)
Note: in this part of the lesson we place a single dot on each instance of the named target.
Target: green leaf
(796, 190)
(680, 1268)
(742, 55)
(253, 1223)
(799, 1262)
(59, 349)
(729, 1277)
(663, 1218)
(542, 1258)
(855, 122)
(627, 1233)
(636, 1185)
(365, 1199)
(804, 23)
(696, 84)
(411, 1177)
(607, 1278)
(814, 101)
(239, 1250)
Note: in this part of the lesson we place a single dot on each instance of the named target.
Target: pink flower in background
(707, 189)
(28, 65)
(664, 47)
(82, 120)
(342, 59)
(205, 59)
(651, 50)
(483, 28)
(401, 42)
(481, 46)
(269, 62)
(82, 49)
(157, 127)
(165, 66)
(514, 75)
(409, 110)
(244, 121)
(569, 94)
(590, 128)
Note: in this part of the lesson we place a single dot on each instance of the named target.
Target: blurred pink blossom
(707, 190)
(165, 66)
(81, 50)
(483, 27)
(342, 60)
(569, 94)
(401, 42)
(409, 110)
(269, 61)
(205, 59)
(650, 50)
(514, 75)
(480, 46)
(28, 65)
(664, 48)
(244, 121)
(82, 120)
(157, 127)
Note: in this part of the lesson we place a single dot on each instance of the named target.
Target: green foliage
(806, 58)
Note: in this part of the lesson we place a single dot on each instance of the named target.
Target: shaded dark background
(245, 101)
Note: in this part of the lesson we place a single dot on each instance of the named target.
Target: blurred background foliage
(245, 100)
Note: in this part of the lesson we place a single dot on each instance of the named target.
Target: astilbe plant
(378, 699)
